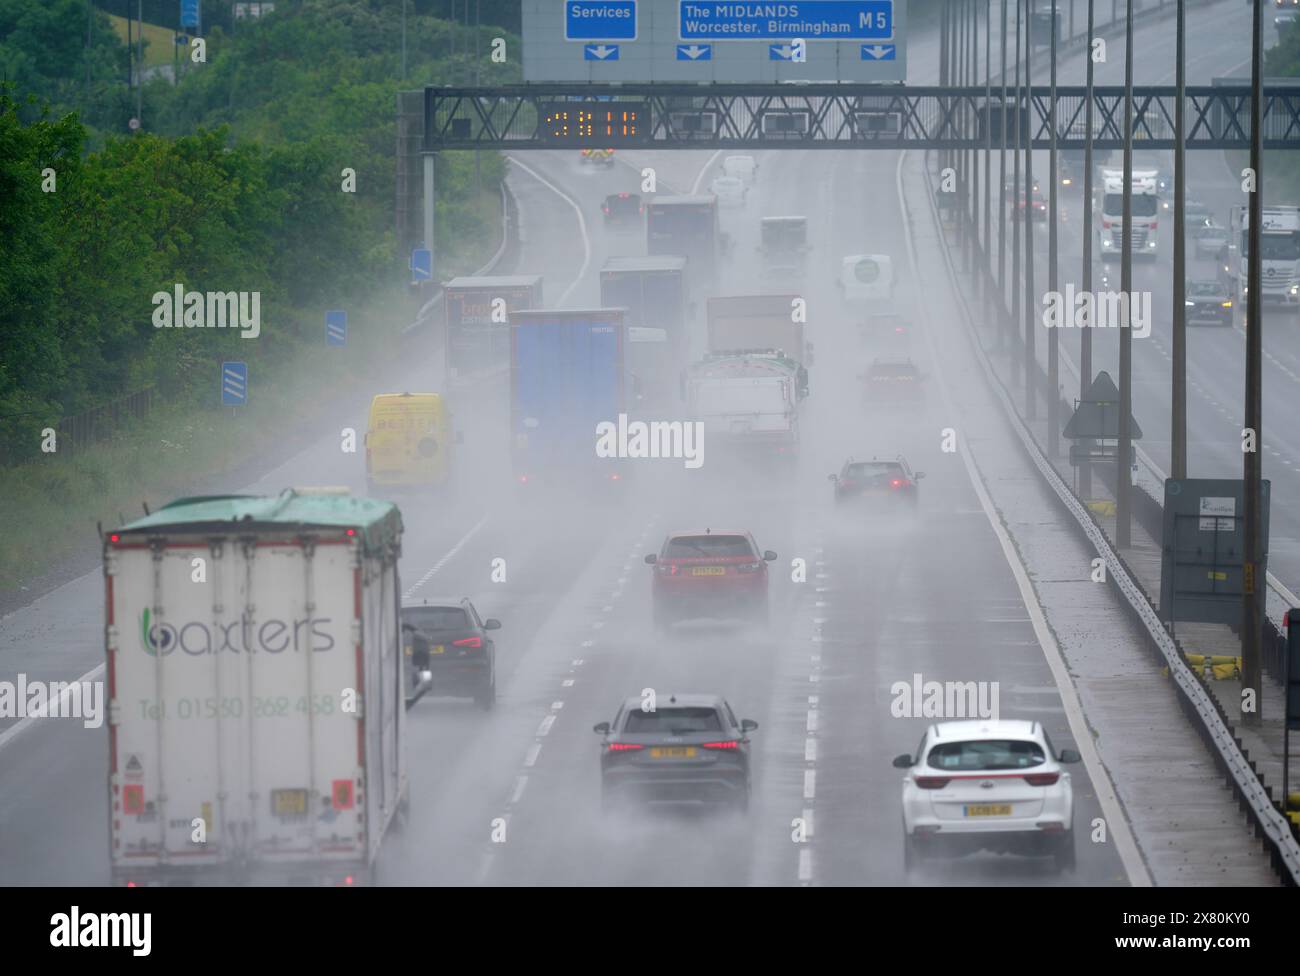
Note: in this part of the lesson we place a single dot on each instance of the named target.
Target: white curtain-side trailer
(257, 710)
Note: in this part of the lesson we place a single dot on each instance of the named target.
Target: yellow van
(409, 441)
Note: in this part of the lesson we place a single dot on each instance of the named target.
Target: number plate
(988, 810)
(438, 649)
(289, 803)
(673, 752)
(708, 571)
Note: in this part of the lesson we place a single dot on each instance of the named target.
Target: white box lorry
(257, 710)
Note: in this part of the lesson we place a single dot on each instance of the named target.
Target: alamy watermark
(181, 309)
(651, 439)
(1099, 310)
(78, 930)
(944, 699)
(53, 699)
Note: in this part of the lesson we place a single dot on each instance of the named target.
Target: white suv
(988, 785)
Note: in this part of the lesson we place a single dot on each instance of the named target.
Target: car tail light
(1051, 826)
(668, 569)
(606, 209)
(901, 482)
(728, 744)
(931, 782)
(468, 642)
(625, 746)
(1105, 225)
(1042, 779)
(753, 567)
(848, 483)
(614, 477)
(622, 196)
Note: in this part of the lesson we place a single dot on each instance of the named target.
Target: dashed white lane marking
(812, 720)
(447, 556)
(520, 782)
(805, 865)
(567, 683)
(545, 726)
(807, 816)
(534, 751)
(810, 750)
(809, 784)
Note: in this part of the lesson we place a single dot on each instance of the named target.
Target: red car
(699, 573)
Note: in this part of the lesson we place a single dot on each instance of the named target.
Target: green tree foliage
(235, 185)
(44, 54)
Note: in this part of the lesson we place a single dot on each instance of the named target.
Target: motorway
(882, 600)
(1215, 354)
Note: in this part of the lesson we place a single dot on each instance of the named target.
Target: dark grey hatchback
(1208, 300)
(448, 651)
(683, 750)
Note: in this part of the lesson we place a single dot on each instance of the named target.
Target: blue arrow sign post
(694, 52)
(336, 327)
(879, 52)
(421, 264)
(600, 52)
(234, 384)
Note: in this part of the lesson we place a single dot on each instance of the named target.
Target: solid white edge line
(582, 225)
(1121, 830)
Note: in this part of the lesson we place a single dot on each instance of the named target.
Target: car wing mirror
(768, 555)
(903, 762)
(832, 477)
(492, 624)
(651, 559)
(919, 475)
(748, 725)
(1068, 756)
(601, 727)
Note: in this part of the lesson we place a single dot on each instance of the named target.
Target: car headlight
(1188, 304)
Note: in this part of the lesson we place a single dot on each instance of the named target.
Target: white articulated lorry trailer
(257, 708)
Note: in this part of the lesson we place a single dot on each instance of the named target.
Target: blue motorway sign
(421, 264)
(694, 52)
(600, 52)
(336, 327)
(879, 52)
(600, 20)
(824, 20)
(234, 384)
(189, 13)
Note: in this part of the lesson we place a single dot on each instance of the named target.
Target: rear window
(696, 546)
(986, 754)
(1206, 289)
(436, 618)
(621, 205)
(673, 721)
(875, 472)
